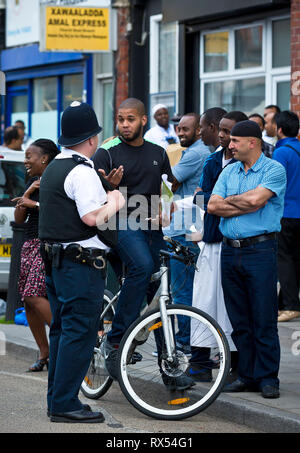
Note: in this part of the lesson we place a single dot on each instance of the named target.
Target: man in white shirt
(73, 203)
(163, 133)
(270, 131)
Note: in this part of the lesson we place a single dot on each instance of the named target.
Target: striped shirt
(234, 181)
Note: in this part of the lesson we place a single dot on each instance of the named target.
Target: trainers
(199, 374)
(110, 353)
(182, 382)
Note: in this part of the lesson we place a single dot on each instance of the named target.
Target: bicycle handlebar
(179, 249)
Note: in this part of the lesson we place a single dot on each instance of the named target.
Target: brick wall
(295, 56)
(122, 58)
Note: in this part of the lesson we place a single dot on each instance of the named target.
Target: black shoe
(110, 353)
(232, 376)
(81, 416)
(199, 374)
(237, 386)
(86, 407)
(269, 391)
(182, 382)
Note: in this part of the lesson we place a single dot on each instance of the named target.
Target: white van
(12, 184)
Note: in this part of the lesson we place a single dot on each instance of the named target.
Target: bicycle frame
(160, 299)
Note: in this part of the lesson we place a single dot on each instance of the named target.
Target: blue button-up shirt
(188, 172)
(234, 181)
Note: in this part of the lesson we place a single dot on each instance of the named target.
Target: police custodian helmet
(78, 124)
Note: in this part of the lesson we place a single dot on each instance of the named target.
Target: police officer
(72, 202)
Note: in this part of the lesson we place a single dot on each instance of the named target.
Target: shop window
(248, 47)
(281, 43)
(104, 96)
(246, 67)
(167, 60)
(244, 94)
(72, 89)
(20, 109)
(283, 94)
(44, 116)
(17, 96)
(163, 64)
(216, 52)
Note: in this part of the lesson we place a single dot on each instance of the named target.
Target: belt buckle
(236, 243)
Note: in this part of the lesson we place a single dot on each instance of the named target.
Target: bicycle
(97, 381)
(149, 383)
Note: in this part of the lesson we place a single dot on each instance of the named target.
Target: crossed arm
(236, 205)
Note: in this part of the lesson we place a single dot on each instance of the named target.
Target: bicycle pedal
(136, 357)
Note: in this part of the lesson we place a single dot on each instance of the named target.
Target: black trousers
(289, 264)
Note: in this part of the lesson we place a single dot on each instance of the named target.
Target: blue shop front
(40, 85)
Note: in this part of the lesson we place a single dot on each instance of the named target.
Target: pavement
(280, 415)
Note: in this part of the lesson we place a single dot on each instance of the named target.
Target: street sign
(77, 29)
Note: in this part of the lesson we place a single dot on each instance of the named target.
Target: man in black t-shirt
(136, 166)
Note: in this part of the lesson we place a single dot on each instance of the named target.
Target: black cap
(78, 124)
(246, 128)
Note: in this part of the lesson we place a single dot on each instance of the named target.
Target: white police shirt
(84, 186)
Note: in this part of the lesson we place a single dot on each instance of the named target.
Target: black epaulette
(81, 160)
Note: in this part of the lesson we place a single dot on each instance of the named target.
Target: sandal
(39, 365)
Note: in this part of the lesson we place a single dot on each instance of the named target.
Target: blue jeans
(139, 250)
(75, 292)
(249, 280)
(182, 278)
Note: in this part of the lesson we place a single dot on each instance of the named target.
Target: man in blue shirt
(287, 152)
(186, 175)
(207, 292)
(249, 196)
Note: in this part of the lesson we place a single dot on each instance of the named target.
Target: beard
(134, 136)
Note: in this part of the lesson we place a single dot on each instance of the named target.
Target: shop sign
(22, 22)
(77, 29)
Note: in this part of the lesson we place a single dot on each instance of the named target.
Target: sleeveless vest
(59, 220)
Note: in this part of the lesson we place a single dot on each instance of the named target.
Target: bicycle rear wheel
(151, 385)
(97, 381)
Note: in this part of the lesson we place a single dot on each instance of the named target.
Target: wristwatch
(37, 204)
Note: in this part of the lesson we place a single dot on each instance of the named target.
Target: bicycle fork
(166, 321)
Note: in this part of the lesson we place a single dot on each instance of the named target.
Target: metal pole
(13, 297)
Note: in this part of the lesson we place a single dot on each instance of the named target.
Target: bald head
(133, 103)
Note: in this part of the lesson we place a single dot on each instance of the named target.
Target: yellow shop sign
(76, 29)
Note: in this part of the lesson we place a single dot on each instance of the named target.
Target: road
(23, 409)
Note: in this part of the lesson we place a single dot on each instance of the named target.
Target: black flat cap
(246, 128)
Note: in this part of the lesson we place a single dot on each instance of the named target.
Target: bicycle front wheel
(156, 385)
(97, 381)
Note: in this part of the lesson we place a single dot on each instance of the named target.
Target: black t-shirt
(143, 168)
(32, 222)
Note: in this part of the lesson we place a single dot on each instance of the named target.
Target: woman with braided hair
(32, 285)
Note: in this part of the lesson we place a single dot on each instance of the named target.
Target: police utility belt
(54, 252)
